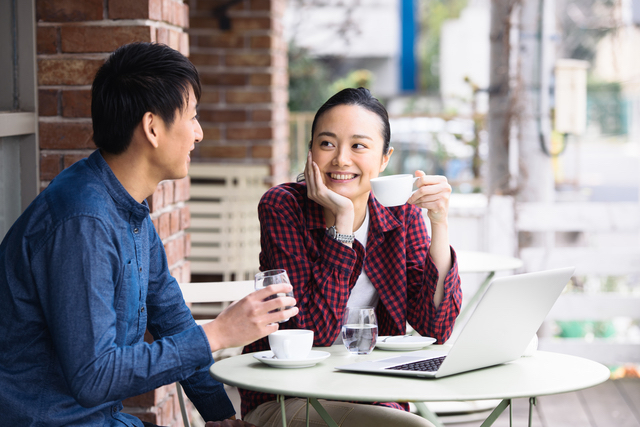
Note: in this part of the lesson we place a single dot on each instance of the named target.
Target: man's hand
(228, 423)
(251, 318)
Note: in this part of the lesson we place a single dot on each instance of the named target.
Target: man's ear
(150, 126)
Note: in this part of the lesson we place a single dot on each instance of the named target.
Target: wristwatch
(343, 238)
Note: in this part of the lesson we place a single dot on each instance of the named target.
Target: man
(83, 272)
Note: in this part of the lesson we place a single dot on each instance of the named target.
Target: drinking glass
(272, 277)
(359, 329)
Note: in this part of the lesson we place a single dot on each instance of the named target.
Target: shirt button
(114, 409)
(136, 230)
(142, 310)
(140, 269)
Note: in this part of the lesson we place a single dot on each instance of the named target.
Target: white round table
(542, 374)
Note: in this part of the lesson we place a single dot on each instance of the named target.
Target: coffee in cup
(393, 190)
(291, 343)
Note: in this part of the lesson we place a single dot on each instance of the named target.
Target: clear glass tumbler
(359, 329)
(272, 277)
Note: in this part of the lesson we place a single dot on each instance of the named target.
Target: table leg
(493, 416)
(280, 398)
(532, 403)
(427, 414)
(307, 412)
(322, 412)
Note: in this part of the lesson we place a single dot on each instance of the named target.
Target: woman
(342, 248)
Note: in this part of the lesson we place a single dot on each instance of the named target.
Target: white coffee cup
(393, 190)
(291, 343)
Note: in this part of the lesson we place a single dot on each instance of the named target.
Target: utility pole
(500, 97)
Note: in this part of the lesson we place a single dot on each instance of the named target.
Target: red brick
(246, 97)
(261, 115)
(182, 189)
(248, 60)
(226, 79)
(209, 5)
(260, 4)
(261, 42)
(223, 151)
(167, 10)
(76, 103)
(185, 15)
(177, 274)
(184, 44)
(69, 10)
(186, 267)
(204, 22)
(70, 159)
(262, 151)
(250, 23)
(167, 187)
(210, 97)
(50, 166)
(67, 71)
(220, 40)
(48, 102)
(175, 250)
(164, 225)
(65, 135)
(47, 40)
(250, 133)
(174, 217)
(185, 218)
(156, 200)
(101, 38)
(187, 246)
(222, 116)
(174, 39)
(138, 9)
(162, 36)
(200, 58)
(261, 79)
(211, 133)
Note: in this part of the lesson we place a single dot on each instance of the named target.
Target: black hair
(138, 78)
(362, 98)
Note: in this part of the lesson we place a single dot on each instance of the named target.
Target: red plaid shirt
(323, 271)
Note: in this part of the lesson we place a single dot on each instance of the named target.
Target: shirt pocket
(128, 306)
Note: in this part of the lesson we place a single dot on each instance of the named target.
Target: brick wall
(241, 56)
(74, 37)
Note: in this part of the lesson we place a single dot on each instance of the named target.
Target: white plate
(314, 357)
(402, 342)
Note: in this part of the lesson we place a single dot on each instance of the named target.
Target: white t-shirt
(363, 294)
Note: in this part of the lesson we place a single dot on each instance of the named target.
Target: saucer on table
(267, 357)
(403, 342)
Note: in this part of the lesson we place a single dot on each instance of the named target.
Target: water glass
(273, 277)
(359, 329)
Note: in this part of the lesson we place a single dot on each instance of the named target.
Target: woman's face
(347, 147)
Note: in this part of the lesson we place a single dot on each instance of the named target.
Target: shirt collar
(117, 192)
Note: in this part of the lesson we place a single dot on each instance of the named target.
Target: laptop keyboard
(429, 365)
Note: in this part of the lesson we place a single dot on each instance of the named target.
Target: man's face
(178, 140)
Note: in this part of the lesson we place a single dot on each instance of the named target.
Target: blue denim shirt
(83, 274)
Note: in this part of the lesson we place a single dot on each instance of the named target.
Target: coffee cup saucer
(268, 358)
(403, 342)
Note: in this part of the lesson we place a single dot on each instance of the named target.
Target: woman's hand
(433, 194)
(340, 206)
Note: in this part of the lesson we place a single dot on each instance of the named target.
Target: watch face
(332, 232)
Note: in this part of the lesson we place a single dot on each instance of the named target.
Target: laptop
(498, 331)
